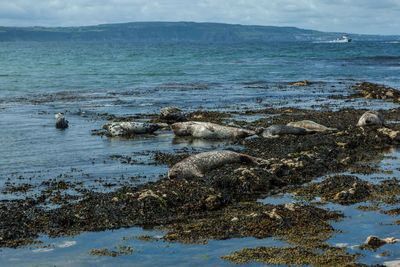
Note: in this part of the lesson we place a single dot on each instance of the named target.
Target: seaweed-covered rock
(342, 189)
(376, 91)
(301, 83)
(374, 242)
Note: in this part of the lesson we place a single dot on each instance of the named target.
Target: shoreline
(225, 204)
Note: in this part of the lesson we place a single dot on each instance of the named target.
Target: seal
(208, 130)
(197, 165)
(61, 122)
(371, 118)
(130, 128)
(274, 131)
(311, 126)
(172, 114)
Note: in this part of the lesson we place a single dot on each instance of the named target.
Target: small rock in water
(61, 122)
(172, 114)
(300, 83)
(375, 242)
(371, 118)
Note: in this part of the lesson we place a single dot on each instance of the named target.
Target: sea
(89, 81)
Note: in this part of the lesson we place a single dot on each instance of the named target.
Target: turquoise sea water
(84, 79)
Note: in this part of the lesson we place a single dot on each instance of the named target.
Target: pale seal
(197, 165)
(278, 130)
(208, 130)
(61, 122)
(130, 128)
(311, 126)
(371, 118)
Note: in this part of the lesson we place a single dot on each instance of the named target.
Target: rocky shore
(223, 203)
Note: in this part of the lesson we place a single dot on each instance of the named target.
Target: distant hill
(170, 32)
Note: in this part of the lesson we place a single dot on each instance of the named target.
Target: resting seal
(61, 122)
(130, 128)
(371, 118)
(311, 126)
(277, 130)
(196, 166)
(172, 114)
(208, 130)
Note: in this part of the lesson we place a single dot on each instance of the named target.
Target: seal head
(61, 122)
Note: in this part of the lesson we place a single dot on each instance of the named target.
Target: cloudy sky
(357, 16)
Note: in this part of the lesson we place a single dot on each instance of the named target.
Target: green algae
(119, 251)
(293, 256)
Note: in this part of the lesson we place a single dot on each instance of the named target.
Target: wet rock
(208, 116)
(213, 202)
(342, 189)
(130, 128)
(370, 118)
(374, 242)
(392, 134)
(294, 256)
(376, 91)
(120, 251)
(300, 83)
(311, 126)
(61, 121)
(172, 114)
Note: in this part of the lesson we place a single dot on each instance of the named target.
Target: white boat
(343, 39)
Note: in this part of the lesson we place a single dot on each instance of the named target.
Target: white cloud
(363, 16)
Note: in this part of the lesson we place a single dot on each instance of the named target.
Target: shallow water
(83, 80)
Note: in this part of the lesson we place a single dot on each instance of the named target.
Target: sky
(353, 16)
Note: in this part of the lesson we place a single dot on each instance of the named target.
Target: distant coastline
(175, 32)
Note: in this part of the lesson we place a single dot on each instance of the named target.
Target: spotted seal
(208, 130)
(61, 122)
(130, 128)
(371, 118)
(197, 165)
(277, 130)
(172, 114)
(311, 126)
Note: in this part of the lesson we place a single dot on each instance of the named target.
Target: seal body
(130, 128)
(311, 126)
(371, 118)
(196, 166)
(277, 130)
(208, 130)
(61, 122)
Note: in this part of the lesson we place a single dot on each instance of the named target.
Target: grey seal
(277, 130)
(197, 165)
(172, 114)
(130, 128)
(311, 126)
(61, 122)
(208, 130)
(371, 118)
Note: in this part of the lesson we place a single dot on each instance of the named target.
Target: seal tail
(249, 159)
